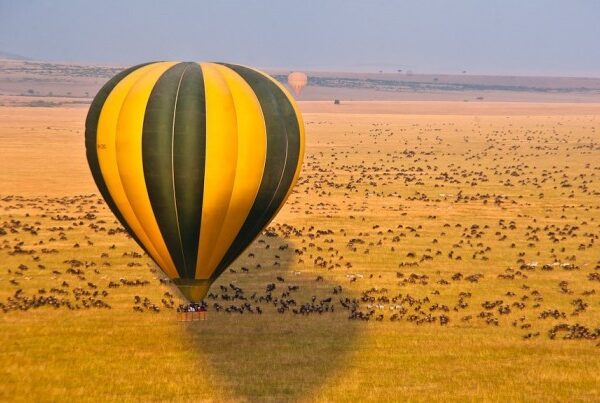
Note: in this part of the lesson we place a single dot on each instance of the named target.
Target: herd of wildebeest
(475, 223)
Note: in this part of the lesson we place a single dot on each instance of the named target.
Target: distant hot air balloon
(194, 159)
(297, 80)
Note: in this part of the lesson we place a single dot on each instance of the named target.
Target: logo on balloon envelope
(194, 160)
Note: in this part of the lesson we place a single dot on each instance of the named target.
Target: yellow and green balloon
(194, 159)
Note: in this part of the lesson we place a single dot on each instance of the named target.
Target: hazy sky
(447, 36)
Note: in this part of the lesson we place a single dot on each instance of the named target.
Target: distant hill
(12, 56)
(58, 81)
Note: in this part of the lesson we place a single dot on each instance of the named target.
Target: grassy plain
(443, 214)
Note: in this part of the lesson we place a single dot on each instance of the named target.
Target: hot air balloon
(194, 159)
(297, 80)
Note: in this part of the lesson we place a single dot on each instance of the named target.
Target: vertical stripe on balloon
(189, 155)
(91, 146)
(129, 157)
(301, 141)
(157, 156)
(220, 164)
(252, 144)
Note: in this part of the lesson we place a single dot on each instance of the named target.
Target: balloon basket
(191, 316)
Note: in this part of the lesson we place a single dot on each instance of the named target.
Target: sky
(513, 37)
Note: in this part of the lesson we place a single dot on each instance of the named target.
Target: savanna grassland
(429, 251)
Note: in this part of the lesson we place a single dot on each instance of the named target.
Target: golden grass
(364, 176)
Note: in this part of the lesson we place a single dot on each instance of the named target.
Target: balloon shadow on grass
(274, 356)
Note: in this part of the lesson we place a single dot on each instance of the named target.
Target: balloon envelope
(194, 159)
(297, 80)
